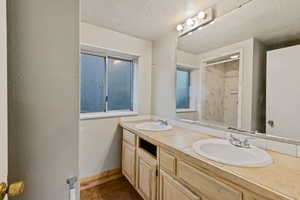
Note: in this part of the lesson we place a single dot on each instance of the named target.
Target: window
(182, 89)
(106, 84)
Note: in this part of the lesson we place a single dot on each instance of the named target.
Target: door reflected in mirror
(231, 73)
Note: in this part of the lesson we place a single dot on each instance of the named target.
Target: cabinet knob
(271, 123)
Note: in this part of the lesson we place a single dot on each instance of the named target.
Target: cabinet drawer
(129, 137)
(167, 162)
(207, 185)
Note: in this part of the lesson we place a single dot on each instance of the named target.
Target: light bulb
(201, 27)
(212, 22)
(234, 57)
(201, 15)
(179, 27)
(189, 22)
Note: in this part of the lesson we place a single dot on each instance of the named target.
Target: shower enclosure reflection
(220, 93)
(209, 94)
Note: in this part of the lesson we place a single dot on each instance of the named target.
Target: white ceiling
(147, 19)
(270, 21)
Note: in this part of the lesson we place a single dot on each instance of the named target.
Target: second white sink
(153, 126)
(222, 151)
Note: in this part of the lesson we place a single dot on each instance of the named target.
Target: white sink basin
(153, 126)
(224, 152)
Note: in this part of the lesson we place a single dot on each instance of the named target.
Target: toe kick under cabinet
(159, 174)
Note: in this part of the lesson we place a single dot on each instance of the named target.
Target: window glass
(92, 83)
(120, 77)
(182, 89)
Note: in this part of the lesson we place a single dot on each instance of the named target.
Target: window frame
(106, 112)
(131, 83)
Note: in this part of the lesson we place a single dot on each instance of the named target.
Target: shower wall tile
(231, 88)
(213, 94)
(221, 85)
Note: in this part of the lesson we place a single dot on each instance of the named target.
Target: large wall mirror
(241, 71)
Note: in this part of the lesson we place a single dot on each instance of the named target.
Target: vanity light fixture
(201, 19)
(201, 15)
(179, 27)
(190, 22)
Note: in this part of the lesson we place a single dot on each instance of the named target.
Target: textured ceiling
(147, 19)
(270, 21)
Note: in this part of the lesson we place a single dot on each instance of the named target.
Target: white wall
(43, 72)
(164, 76)
(100, 139)
(3, 93)
(186, 59)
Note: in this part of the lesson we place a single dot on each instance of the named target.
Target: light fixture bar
(201, 19)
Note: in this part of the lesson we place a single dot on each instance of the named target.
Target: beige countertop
(281, 180)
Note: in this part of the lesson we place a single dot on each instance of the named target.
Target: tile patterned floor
(119, 189)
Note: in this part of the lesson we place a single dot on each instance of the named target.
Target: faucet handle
(235, 141)
(246, 141)
(243, 143)
(232, 137)
(164, 122)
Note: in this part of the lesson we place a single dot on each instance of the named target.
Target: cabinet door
(128, 162)
(146, 176)
(170, 189)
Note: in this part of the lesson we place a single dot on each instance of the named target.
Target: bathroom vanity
(162, 165)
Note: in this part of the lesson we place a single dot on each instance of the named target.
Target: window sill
(101, 115)
(185, 110)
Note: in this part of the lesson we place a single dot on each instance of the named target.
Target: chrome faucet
(164, 122)
(238, 142)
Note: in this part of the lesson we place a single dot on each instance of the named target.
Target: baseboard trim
(98, 179)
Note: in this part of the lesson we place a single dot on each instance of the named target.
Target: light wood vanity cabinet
(146, 175)
(128, 159)
(140, 165)
(129, 137)
(167, 162)
(170, 189)
(178, 179)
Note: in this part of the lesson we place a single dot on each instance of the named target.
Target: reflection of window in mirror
(183, 89)
(186, 92)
